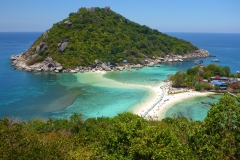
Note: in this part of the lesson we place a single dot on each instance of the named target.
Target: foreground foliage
(126, 136)
(108, 37)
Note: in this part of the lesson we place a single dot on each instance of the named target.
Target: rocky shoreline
(49, 65)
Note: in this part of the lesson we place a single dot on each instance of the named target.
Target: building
(222, 85)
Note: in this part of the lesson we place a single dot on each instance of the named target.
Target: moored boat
(215, 60)
(198, 62)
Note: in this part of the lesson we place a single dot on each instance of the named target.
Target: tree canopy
(126, 136)
(97, 33)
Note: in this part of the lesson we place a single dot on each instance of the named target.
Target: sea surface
(41, 95)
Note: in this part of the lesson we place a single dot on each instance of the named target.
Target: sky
(207, 16)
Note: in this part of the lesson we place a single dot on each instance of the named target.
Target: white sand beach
(161, 108)
(154, 105)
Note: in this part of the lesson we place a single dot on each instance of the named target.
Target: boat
(215, 60)
(198, 62)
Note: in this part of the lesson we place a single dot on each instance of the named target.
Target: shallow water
(29, 95)
(192, 108)
(145, 76)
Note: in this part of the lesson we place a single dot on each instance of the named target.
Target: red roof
(217, 77)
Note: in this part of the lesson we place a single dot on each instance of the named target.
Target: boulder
(14, 57)
(45, 34)
(107, 8)
(68, 24)
(33, 57)
(59, 68)
(50, 65)
(91, 10)
(62, 46)
(119, 68)
(48, 60)
(45, 68)
(39, 70)
(73, 71)
(57, 64)
(104, 66)
(137, 66)
(151, 64)
(41, 47)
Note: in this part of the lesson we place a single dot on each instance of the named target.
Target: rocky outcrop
(14, 57)
(107, 8)
(45, 34)
(48, 65)
(62, 45)
(33, 57)
(178, 58)
(197, 54)
(68, 24)
(43, 46)
(91, 10)
(20, 62)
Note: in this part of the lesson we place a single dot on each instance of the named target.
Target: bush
(198, 86)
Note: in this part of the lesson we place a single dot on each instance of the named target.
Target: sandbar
(154, 105)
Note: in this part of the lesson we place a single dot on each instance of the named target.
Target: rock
(57, 65)
(37, 48)
(62, 46)
(137, 66)
(45, 34)
(50, 65)
(14, 57)
(59, 68)
(33, 57)
(45, 68)
(119, 68)
(91, 10)
(48, 59)
(127, 22)
(104, 65)
(73, 71)
(41, 47)
(107, 8)
(68, 24)
(151, 64)
(96, 61)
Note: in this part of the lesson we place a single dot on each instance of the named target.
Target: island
(100, 39)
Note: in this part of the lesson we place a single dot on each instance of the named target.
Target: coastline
(153, 105)
(97, 79)
(159, 112)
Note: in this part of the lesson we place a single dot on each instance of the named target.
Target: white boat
(215, 60)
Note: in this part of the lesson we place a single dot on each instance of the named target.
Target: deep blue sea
(34, 95)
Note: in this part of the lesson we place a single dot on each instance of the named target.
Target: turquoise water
(193, 108)
(145, 76)
(101, 101)
(28, 95)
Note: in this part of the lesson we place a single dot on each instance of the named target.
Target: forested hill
(100, 33)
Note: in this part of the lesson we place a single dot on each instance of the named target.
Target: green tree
(198, 86)
(193, 71)
(218, 137)
(189, 81)
(179, 79)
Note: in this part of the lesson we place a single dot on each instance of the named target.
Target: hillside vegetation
(126, 136)
(100, 33)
